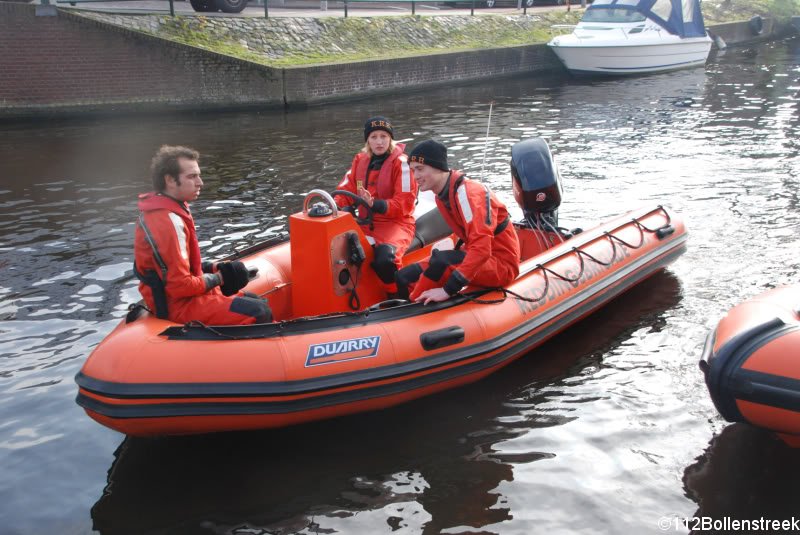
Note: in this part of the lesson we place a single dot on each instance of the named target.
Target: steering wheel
(359, 201)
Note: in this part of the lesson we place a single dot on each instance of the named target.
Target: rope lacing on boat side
(474, 296)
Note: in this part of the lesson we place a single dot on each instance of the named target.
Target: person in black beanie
(380, 175)
(490, 256)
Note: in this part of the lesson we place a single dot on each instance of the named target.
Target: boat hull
(151, 377)
(751, 362)
(627, 59)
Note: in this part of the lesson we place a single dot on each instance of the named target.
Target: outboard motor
(537, 183)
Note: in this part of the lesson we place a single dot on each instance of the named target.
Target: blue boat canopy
(678, 17)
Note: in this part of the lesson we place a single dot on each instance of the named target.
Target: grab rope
(596, 260)
(279, 325)
(475, 296)
(505, 291)
(201, 325)
(133, 311)
(612, 239)
(653, 231)
(354, 301)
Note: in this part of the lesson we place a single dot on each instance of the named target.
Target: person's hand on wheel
(366, 195)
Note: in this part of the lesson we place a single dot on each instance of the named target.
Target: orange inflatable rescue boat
(751, 365)
(339, 346)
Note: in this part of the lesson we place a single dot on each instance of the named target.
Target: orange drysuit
(490, 255)
(166, 248)
(394, 191)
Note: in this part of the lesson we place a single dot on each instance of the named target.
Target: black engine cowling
(537, 178)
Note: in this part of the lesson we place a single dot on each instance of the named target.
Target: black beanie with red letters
(378, 122)
(430, 152)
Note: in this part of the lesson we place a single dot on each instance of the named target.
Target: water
(606, 429)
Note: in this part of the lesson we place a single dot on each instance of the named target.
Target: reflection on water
(746, 474)
(607, 415)
(408, 467)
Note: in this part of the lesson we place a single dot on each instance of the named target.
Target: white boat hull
(632, 58)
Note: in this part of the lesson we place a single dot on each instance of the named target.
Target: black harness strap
(497, 230)
(488, 207)
(501, 226)
(150, 277)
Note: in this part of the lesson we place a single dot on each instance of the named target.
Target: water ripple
(609, 414)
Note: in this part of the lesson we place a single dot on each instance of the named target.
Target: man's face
(428, 178)
(190, 182)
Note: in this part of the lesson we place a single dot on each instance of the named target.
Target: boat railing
(346, 4)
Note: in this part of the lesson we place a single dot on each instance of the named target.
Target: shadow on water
(746, 473)
(426, 466)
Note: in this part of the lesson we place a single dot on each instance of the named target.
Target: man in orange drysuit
(490, 256)
(174, 283)
(381, 176)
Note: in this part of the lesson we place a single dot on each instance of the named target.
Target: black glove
(350, 209)
(208, 266)
(380, 206)
(234, 276)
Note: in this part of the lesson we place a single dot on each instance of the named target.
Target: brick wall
(739, 32)
(67, 63)
(72, 64)
(311, 85)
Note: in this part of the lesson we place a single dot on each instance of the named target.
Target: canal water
(606, 429)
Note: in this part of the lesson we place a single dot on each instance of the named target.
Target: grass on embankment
(719, 11)
(351, 39)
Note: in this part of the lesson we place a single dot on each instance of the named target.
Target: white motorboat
(622, 37)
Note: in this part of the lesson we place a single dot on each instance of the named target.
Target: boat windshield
(610, 14)
(679, 17)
